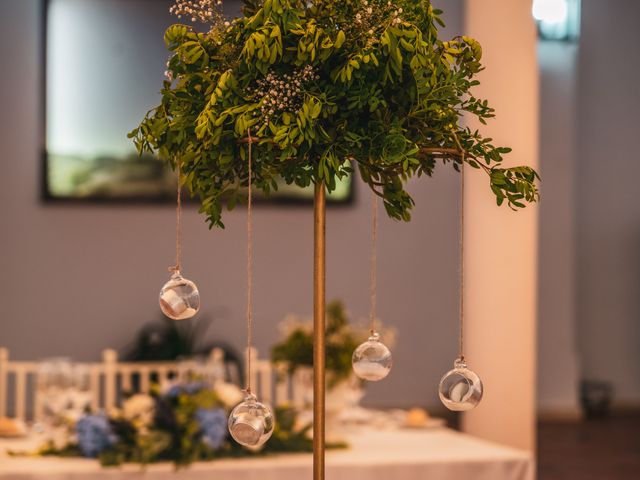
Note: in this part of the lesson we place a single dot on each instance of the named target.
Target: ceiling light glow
(550, 11)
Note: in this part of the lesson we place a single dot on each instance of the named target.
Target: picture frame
(95, 89)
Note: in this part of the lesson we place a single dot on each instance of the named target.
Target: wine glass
(79, 394)
(53, 384)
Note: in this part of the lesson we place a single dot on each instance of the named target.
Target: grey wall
(590, 217)
(557, 344)
(78, 279)
(608, 209)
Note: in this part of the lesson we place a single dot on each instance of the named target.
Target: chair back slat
(145, 379)
(4, 380)
(125, 379)
(20, 392)
(94, 382)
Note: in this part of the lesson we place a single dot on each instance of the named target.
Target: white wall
(81, 278)
(608, 208)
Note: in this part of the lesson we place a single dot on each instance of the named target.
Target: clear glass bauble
(460, 389)
(251, 423)
(372, 360)
(179, 298)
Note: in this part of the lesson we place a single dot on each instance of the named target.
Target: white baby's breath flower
(289, 325)
(205, 11)
(279, 94)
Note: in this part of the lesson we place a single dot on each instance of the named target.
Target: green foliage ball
(323, 88)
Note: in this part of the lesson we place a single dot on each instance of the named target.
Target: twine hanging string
(461, 313)
(249, 263)
(374, 261)
(176, 268)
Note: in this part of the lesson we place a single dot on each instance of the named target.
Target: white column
(501, 245)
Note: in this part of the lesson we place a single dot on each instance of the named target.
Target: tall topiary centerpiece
(327, 87)
(322, 89)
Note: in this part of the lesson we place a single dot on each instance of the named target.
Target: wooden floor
(607, 449)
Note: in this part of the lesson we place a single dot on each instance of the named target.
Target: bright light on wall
(557, 19)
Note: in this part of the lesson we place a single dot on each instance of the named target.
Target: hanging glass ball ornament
(372, 360)
(460, 389)
(251, 423)
(179, 298)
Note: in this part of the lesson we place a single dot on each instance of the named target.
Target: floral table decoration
(345, 390)
(180, 423)
(295, 351)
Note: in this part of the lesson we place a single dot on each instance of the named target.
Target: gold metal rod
(319, 332)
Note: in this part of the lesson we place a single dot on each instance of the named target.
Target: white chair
(110, 380)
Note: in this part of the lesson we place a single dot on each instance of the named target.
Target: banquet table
(394, 454)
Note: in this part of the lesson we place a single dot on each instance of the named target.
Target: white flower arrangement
(140, 410)
(228, 393)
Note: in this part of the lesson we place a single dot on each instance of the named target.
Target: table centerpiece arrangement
(180, 422)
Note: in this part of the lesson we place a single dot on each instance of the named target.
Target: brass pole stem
(319, 332)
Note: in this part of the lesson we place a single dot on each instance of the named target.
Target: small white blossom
(205, 11)
(279, 94)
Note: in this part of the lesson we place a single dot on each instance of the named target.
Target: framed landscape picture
(102, 60)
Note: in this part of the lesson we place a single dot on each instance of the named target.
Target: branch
(439, 151)
(460, 153)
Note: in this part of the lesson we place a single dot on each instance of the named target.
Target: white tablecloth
(440, 454)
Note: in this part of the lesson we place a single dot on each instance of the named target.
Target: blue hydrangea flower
(94, 435)
(213, 425)
(190, 388)
(194, 387)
